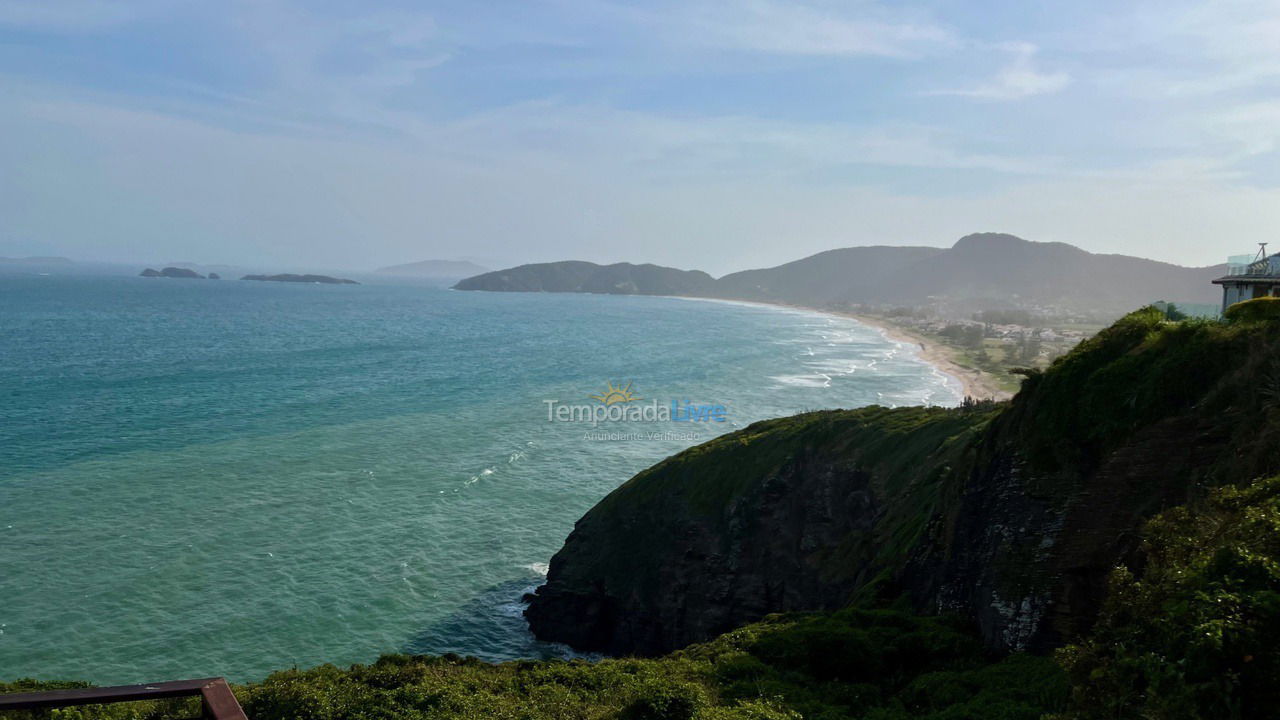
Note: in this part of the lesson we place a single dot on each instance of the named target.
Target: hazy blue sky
(695, 133)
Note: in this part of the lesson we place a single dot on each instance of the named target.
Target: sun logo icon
(613, 395)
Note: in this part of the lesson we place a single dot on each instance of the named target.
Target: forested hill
(585, 277)
(980, 270)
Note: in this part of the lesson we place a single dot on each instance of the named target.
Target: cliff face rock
(1010, 514)
(787, 514)
(1026, 552)
(755, 561)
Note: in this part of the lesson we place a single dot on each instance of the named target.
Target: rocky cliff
(1010, 514)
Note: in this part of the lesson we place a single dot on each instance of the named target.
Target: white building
(1247, 280)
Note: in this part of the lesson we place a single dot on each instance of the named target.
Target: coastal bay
(377, 458)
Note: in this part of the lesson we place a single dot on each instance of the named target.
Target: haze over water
(229, 478)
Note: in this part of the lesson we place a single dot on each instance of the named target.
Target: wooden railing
(217, 702)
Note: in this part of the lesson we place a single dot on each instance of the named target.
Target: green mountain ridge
(980, 270)
(585, 277)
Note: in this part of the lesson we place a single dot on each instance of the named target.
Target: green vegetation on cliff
(715, 474)
(1013, 515)
(1195, 633)
(886, 665)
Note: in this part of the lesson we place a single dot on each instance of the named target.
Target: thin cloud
(801, 29)
(74, 16)
(796, 29)
(1018, 79)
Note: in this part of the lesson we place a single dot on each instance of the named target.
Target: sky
(710, 134)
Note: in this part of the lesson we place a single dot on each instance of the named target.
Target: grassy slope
(908, 450)
(881, 664)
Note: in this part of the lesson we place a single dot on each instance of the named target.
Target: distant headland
(289, 277)
(35, 260)
(437, 269)
(981, 271)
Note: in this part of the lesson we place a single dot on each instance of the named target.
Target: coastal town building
(1247, 279)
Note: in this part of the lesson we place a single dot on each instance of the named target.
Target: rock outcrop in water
(288, 277)
(173, 272)
(1011, 514)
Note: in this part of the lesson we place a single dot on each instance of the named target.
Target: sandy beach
(975, 383)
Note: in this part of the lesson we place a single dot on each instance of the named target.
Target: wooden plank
(220, 703)
(115, 694)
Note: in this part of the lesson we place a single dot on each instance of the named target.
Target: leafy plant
(1261, 309)
(1194, 635)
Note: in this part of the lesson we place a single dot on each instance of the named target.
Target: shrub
(1261, 309)
(853, 663)
(1196, 634)
(667, 700)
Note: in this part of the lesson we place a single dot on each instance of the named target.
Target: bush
(667, 700)
(1261, 309)
(853, 663)
(1196, 635)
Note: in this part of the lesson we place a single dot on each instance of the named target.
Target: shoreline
(974, 383)
(977, 384)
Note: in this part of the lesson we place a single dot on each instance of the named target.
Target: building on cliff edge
(1248, 279)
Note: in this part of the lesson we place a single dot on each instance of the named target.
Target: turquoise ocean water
(227, 478)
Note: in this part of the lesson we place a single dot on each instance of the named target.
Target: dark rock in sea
(287, 277)
(173, 272)
(1011, 514)
(214, 276)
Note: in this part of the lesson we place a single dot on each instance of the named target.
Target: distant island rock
(289, 277)
(173, 272)
(441, 269)
(214, 276)
(38, 261)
